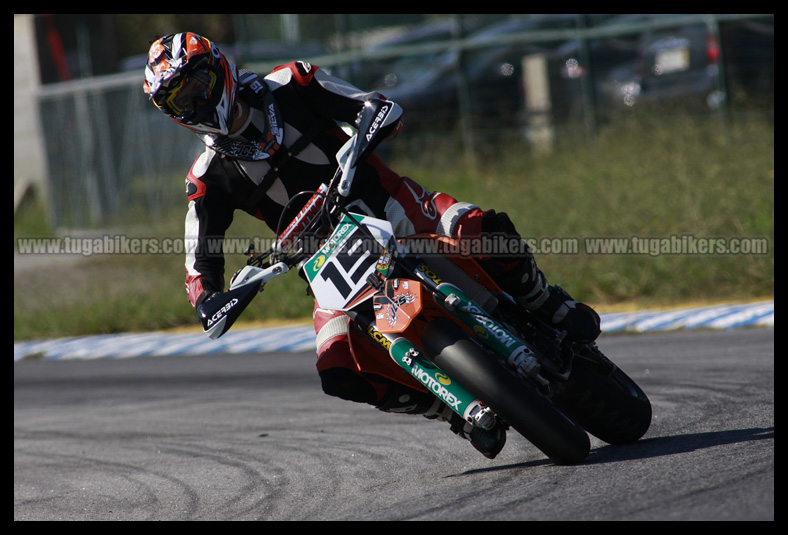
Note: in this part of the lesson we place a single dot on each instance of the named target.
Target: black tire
(606, 402)
(520, 406)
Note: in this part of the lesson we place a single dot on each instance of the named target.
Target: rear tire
(605, 401)
(519, 405)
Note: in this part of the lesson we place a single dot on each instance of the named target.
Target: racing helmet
(189, 79)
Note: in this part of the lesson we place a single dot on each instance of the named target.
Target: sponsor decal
(384, 262)
(384, 111)
(272, 124)
(378, 337)
(222, 311)
(337, 238)
(256, 86)
(395, 303)
(305, 216)
(430, 274)
(487, 327)
(319, 262)
(436, 386)
(498, 332)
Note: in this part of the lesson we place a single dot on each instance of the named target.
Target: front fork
(487, 331)
(415, 362)
(490, 333)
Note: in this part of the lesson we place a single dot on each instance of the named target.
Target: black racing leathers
(218, 183)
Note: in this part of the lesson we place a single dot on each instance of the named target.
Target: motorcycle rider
(268, 138)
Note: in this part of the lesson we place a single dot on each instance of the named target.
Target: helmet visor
(183, 98)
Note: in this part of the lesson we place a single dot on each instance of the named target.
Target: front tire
(520, 406)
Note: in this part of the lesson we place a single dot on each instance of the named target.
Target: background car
(430, 91)
(679, 63)
(384, 71)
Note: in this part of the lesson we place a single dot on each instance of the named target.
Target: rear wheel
(519, 405)
(604, 400)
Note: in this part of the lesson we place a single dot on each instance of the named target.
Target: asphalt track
(252, 437)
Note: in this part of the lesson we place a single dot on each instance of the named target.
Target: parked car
(602, 55)
(429, 91)
(680, 63)
(389, 71)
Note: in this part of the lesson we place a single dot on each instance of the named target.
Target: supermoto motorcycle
(440, 323)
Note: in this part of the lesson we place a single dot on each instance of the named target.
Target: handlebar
(378, 117)
(347, 157)
(306, 216)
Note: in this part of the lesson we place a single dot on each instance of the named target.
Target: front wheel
(520, 406)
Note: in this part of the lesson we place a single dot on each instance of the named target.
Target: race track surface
(252, 437)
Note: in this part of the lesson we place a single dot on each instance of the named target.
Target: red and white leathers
(218, 185)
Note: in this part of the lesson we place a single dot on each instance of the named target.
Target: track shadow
(660, 446)
(648, 448)
(529, 464)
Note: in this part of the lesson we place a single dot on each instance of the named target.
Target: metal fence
(112, 156)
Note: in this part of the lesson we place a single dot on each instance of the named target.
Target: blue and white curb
(705, 317)
(302, 338)
(162, 344)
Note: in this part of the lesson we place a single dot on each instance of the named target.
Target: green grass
(639, 179)
(683, 179)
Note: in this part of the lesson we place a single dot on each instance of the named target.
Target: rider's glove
(396, 129)
(204, 297)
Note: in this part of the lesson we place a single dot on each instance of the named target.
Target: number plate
(672, 60)
(338, 272)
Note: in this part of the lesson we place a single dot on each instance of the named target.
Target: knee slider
(401, 399)
(344, 384)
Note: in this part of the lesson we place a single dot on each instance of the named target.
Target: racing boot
(551, 304)
(488, 442)
(580, 321)
(516, 272)
(403, 400)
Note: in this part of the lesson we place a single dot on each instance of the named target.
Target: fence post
(538, 103)
(463, 92)
(587, 84)
(29, 152)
